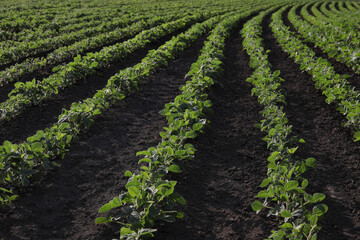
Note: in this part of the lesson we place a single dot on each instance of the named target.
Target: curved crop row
(20, 161)
(30, 93)
(285, 196)
(334, 86)
(15, 72)
(335, 45)
(341, 24)
(26, 49)
(149, 194)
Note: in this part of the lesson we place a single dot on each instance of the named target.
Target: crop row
(334, 86)
(341, 45)
(149, 194)
(30, 93)
(20, 161)
(24, 49)
(285, 196)
(15, 72)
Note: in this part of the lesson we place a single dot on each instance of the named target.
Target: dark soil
(45, 115)
(64, 204)
(326, 140)
(220, 183)
(339, 67)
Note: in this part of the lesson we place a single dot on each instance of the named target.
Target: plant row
(18, 162)
(334, 86)
(149, 196)
(41, 31)
(33, 92)
(285, 195)
(62, 54)
(330, 17)
(341, 46)
(25, 49)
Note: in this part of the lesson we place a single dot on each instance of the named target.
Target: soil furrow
(220, 183)
(44, 115)
(331, 144)
(64, 204)
(339, 67)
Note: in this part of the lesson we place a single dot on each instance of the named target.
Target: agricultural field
(180, 120)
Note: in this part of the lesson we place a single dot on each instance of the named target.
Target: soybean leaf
(257, 206)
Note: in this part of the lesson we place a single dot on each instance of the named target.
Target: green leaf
(291, 185)
(314, 237)
(285, 214)
(264, 194)
(7, 146)
(146, 231)
(272, 132)
(301, 140)
(286, 225)
(277, 73)
(162, 134)
(197, 126)
(313, 220)
(146, 153)
(97, 112)
(125, 231)
(55, 69)
(101, 220)
(320, 209)
(116, 202)
(37, 147)
(317, 197)
(257, 206)
(273, 156)
(128, 174)
(304, 183)
(144, 160)
(174, 168)
(265, 182)
(133, 191)
(310, 162)
(178, 198)
(357, 136)
(190, 134)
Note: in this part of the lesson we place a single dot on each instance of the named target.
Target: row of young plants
(41, 32)
(17, 21)
(351, 6)
(63, 54)
(339, 27)
(42, 18)
(37, 34)
(334, 86)
(338, 23)
(149, 196)
(105, 21)
(331, 17)
(20, 50)
(341, 46)
(285, 195)
(35, 92)
(18, 162)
